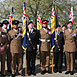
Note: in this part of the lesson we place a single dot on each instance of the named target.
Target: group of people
(11, 46)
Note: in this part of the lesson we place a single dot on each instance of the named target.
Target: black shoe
(71, 73)
(13, 75)
(43, 72)
(55, 71)
(3, 74)
(20, 74)
(67, 72)
(33, 73)
(29, 73)
(9, 71)
(48, 72)
(60, 71)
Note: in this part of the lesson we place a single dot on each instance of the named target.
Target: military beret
(58, 26)
(1, 24)
(15, 22)
(5, 22)
(63, 26)
(30, 22)
(44, 21)
(69, 22)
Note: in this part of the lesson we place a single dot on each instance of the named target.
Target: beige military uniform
(16, 50)
(70, 48)
(45, 40)
(3, 43)
(8, 51)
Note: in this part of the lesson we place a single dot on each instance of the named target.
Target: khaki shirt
(70, 41)
(45, 46)
(15, 42)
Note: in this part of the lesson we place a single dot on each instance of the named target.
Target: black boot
(67, 72)
(72, 73)
(13, 75)
(43, 72)
(33, 72)
(29, 73)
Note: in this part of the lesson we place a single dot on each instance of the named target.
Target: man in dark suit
(32, 39)
(58, 50)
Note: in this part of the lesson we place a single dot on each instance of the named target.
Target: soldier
(32, 39)
(58, 50)
(70, 47)
(5, 30)
(3, 45)
(16, 48)
(45, 40)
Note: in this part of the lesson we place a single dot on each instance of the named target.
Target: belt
(44, 40)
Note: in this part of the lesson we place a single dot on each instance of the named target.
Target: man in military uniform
(70, 47)
(5, 30)
(16, 48)
(32, 39)
(45, 41)
(58, 50)
(3, 45)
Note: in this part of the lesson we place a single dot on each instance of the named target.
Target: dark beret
(5, 22)
(69, 22)
(15, 22)
(30, 22)
(58, 26)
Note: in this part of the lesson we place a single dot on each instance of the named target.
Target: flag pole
(52, 60)
(25, 56)
(25, 65)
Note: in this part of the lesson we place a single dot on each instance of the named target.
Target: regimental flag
(24, 22)
(56, 18)
(53, 25)
(71, 17)
(39, 23)
(12, 18)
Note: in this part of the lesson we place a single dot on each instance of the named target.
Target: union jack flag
(71, 17)
(12, 18)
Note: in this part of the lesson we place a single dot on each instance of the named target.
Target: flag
(56, 18)
(53, 25)
(39, 23)
(24, 23)
(12, 18)
(71, 17)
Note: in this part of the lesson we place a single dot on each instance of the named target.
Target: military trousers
(9, 59)
(70, 61)
(45, 60)
(2, 59)
(17, 60)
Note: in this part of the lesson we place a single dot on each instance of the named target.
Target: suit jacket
(32, 42)
(45, 46)
(70, 41)
(15, 42)
(3, 40)
(59, 43)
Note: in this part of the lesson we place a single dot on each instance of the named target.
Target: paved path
(38, 72)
